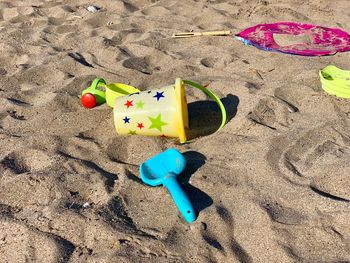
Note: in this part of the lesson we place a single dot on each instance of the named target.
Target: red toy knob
(88, 100)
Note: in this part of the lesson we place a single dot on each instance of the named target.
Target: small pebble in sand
(86, 205)
(93, 8)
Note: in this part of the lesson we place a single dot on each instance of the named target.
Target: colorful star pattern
(140, 104)
(159, 95)
(128, 104)
(157, 123)
(131, 132)
(126, 120)
(140, 125)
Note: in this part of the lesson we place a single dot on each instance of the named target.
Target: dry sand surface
(271, 186)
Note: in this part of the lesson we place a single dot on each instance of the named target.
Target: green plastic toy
(335, 81)
(100, 92)
(95, 94)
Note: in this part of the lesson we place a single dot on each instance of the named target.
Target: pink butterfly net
(322, 40)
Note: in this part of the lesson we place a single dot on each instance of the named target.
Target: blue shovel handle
(181, 200)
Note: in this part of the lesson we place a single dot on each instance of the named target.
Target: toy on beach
(94, 95)
(163, 169)
(287, 37)
(335, 81)
(161, 112)
(100, 92)
(115, 90)
(313, 40)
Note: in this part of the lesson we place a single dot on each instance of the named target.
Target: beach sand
(271, 186)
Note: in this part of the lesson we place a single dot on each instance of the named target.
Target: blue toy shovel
(162, 169)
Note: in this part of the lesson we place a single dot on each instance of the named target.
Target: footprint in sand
(141, 64)
(238, 251)
(263, 10)
(13, 114)
(69, 9)
(26, 160)
(41, 75)
(208, 62)
(112, 42)
(127, 150)
(31, 244)
(64, 29)
(13, 164)
(129, 6)
(271, 113)
(283, 215)
(315, 158)
(3, 72)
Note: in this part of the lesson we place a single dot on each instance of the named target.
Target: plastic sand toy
(160, 112)
(99, 92)
(115, 90)
(163, 169)
(94, 95)
(287, 37)
(300, 39)
(335, 81)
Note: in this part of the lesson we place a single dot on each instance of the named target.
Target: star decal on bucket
(126, 120)
(140, 104)
(140, 125)
(128, 104)
(131, 132)
(157, 123)
(159, 95)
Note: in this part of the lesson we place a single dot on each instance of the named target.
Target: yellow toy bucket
(115, 90)
(161, 112)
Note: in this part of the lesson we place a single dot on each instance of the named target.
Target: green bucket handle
(212, 96)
